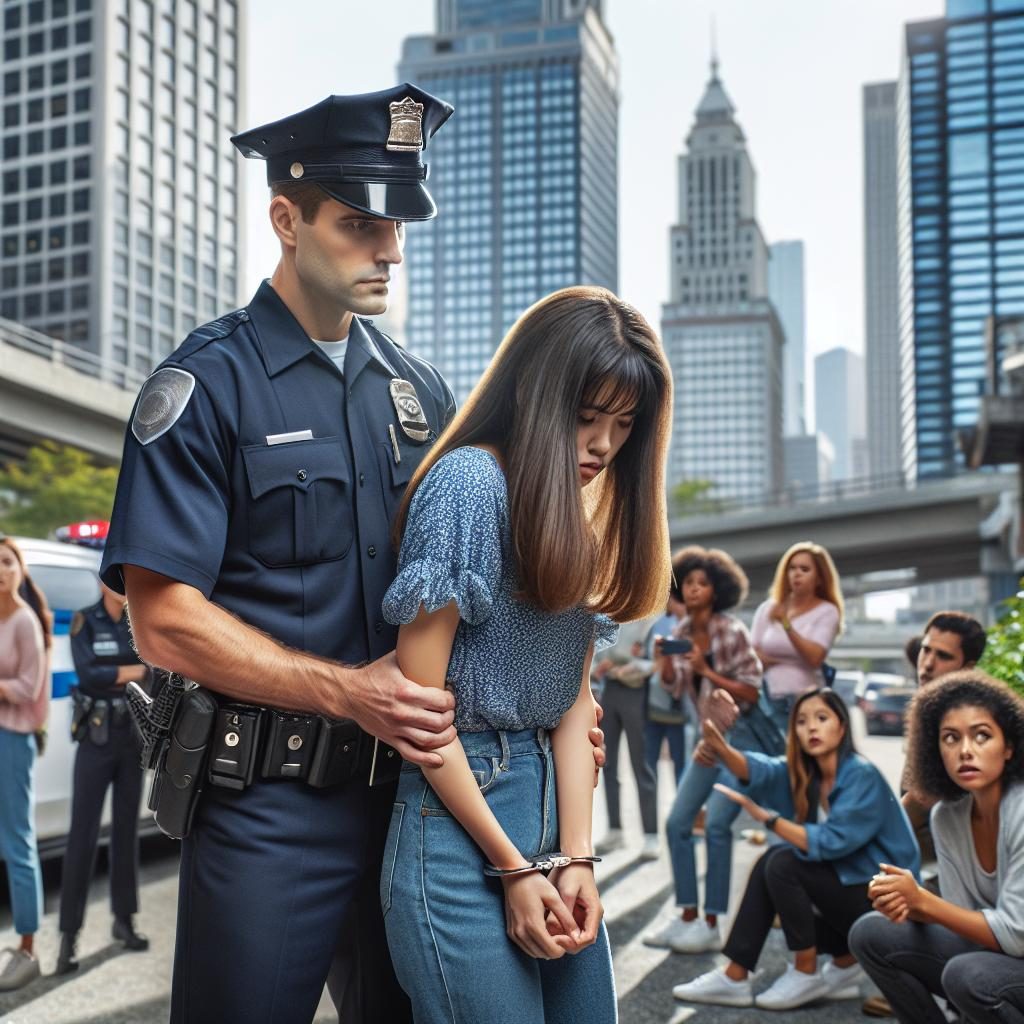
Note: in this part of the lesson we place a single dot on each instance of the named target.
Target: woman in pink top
(24, 700)
(794, 630)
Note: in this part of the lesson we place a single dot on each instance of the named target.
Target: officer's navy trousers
(279, 893)
(114, 763)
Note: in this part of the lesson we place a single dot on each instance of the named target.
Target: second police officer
(262, 467)
(107, 756)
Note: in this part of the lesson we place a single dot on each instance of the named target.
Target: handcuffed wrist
(542, 863)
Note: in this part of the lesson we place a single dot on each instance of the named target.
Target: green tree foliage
(691, 498)
(1004, 650)
(56, 484)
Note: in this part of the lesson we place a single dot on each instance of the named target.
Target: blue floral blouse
(513, 666)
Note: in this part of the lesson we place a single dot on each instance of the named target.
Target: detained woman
(536, 522)
(837, 819)
(967, 945)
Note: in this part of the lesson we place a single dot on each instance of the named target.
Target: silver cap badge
(410, 413)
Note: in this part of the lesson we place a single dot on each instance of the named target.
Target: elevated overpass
(50, 389)
(940, 529)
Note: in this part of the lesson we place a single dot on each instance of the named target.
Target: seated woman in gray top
(966, 750)
(537, 519)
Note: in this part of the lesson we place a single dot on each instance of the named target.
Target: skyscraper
(121, 196)
(786, 290)
(839, 408)
(721, 333)
(881, 281)
(525, 173)
(961, 216)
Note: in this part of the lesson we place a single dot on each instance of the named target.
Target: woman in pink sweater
(24, 701)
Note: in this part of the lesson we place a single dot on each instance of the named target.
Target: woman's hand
(575, 884)
(694, 657)
(778, 611)
(530, 899)
(756, 811)
(895, 893)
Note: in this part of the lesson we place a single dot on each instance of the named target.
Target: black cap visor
(403, 201)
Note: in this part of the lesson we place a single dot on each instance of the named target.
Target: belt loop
(505, 754)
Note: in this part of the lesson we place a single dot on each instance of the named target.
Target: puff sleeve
(452, 546)
(606, 632)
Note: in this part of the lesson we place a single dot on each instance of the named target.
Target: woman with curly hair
(795, 628)
(966, 751)
(719, 676)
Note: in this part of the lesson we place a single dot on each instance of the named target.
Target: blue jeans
(17, 830)
(696, 789)
(654, 734)
(445, 920)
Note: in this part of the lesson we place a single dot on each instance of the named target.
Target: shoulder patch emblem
(162, 400)
(77, 622)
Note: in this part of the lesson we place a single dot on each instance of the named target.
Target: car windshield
(66, 588)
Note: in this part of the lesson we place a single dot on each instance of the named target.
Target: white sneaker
(698, 937)
(843, 982)
(664, 937)
(652, 847)
(714, 987)
(613, 840)
(793, 989)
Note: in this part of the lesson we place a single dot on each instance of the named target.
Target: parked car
(884, 699)
(846, 683)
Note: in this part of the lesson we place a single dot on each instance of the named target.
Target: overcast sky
(793, 69)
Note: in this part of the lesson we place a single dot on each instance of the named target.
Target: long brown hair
(30, 593)
(606, 547)
(827, 586)
(804, 774)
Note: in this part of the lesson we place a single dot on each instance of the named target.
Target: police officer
(262, 467)
(108, 754)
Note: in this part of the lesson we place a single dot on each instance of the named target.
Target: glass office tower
(524, 174)
(121, 197)
(961, 230)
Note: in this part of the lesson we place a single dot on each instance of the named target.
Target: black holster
(81, 705)
(181, 770)
(99, 722)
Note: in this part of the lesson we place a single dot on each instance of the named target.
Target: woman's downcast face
(599, 437)
(973, 747)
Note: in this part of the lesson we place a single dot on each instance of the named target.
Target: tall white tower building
(121, 207)
(786, 290)
(722, 336)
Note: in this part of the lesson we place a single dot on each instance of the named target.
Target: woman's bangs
(622, 385)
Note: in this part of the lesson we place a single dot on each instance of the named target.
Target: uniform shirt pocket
(300, 510)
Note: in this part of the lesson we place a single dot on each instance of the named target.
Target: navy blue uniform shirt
(291, 537)
(99, 646)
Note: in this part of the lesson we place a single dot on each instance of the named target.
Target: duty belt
(252, 742)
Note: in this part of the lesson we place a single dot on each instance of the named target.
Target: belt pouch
(81, 705)
(289, 745)
(179, 777)
(336, 757)
(99, 723)
(234, 746)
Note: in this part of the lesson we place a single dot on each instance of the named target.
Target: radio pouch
(180, 773)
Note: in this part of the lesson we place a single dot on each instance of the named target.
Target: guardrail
(70, 355)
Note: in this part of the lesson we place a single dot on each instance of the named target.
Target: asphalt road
(113, 987)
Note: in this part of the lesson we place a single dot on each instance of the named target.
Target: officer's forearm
(176, 628)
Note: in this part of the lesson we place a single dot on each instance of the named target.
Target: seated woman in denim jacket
(509, 577)
(966, 750)
(838, 819)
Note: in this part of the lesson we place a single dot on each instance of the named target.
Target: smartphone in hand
(680, 646)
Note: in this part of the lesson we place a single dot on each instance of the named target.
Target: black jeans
(910, 962)
(784, 884)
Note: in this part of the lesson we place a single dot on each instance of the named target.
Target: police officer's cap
(362, 150)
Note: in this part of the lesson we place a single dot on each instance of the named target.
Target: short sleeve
(452, 546)
(172, 503)
(606, 632)
(824, 625)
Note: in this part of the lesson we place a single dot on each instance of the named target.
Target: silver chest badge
(410, 413)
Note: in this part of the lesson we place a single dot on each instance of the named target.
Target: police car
(67, 573)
